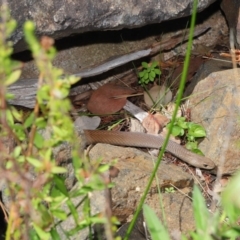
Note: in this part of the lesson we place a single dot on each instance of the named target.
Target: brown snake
(148, 141)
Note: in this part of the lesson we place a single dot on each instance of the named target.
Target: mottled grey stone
(58, 18)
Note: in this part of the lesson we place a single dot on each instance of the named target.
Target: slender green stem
(179, 96)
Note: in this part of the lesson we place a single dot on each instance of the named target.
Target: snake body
(136, 139)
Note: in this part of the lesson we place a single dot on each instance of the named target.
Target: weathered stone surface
(58, 18)
(215, 104)
(135, 168)
(87, 54)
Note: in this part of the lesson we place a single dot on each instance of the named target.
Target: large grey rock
(215, 104)
(91, 55)
(135, 168)
(58, 18)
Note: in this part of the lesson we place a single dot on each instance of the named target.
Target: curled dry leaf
(194, 65)
(154, 123)
(160, 95)
(102, 100)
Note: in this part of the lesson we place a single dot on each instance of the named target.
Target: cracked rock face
(217, 108)
(58, 18)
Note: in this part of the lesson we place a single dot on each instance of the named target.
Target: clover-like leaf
(145, 65)
(177, 131)
(191, 145)
(196, 130)
(157, 71)
(152, 74)
(182, 123)
(151, 79)
(198, 151)
(154, 64)
(141, 74)
(145, 76)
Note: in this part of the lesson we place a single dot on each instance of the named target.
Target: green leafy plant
(222, 224)
(38, 198)
(210, 226)
(155, 227)
(178, 100)
(149, 72)
(169, 190)
(191, 130)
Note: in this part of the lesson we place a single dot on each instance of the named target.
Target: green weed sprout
(169, 190)
(191, 130)
(149, 72)
(39, 201)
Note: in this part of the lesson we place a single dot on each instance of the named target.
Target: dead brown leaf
(160, 95)
(154, 123)
(194, 65)
(102, 100)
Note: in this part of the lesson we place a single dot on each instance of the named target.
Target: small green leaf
(145, 65)
(201, 213)
(35, 162)
(9, 96)
(177, 131)
(182, 123)
(55, 235)
(141, 74)
(231, 198)
(19, 131)
(16, 152)
(197, 131)
(29, 26)
(72, 79)
(157, 71)
(10, 118)
(181, 119)
(34, 235)
(58, 170)
(151, 79)
(13, 77)
(145, 77)
(60, 185)
(16, 114)
(103, 168)
(59, 214)
(198, 151)
(73, 210)
(190, 138)
(9, 164)
(38, 140)
(154, 64)
(41, 122)
(152, 74)
(29, 121)
(43, 94)
(41, 233)
(191, 145)
(155, 227)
